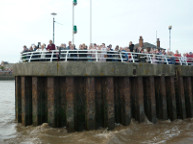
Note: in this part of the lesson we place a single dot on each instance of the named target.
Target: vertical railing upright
(166, 59)
(150, 59)
(132, 57)
(66, 58)
(121, 57)
(51, 59)
(96, 55)
(30, 57)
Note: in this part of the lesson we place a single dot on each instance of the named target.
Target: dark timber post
(149, 98)
(26, 94)
(63, 101)
(140, 115)
(125, 100)
(188, 96)
(180, 98)
(51, 101)
(171, 98)
(163, 98)
(90, 103)
(109, 103)
(70, 104)
(99, 103)
(161, 101)
(18, 99)
(39, 101)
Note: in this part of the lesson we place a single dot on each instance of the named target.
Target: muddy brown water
(176, 132)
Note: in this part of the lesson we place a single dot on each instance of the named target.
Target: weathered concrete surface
(98, 69)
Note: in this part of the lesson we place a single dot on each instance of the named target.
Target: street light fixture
(170, 28)
(53, 14)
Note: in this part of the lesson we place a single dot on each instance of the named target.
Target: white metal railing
(102, 56)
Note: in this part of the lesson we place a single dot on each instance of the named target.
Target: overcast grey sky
(26, 22)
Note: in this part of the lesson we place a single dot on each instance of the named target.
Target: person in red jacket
(178, 56)
(190, 58)
(51, 46)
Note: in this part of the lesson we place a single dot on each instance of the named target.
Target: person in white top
(103, 53)
(42, 50)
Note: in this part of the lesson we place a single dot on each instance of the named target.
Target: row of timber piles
(86, 103)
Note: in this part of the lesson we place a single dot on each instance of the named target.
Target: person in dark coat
(131, 46)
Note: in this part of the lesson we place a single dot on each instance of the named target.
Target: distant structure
(7, 65)
(146, 45)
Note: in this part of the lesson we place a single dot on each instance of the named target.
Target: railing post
(30, 57)
(186, 60)
(166, 60)
(121, 56)
(96, 53)
(132, 58)
(52, 56)
(66, 56)
(180, 61)
(150, 59)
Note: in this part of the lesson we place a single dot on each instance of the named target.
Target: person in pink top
(51, 46)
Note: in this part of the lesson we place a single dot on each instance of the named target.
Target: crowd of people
(108, 52)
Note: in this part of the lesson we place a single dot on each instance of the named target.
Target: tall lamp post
(74, 27)
(170, 28)
(54, 14)
(90, 21)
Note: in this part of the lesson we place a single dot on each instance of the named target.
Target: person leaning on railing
(177, 56)
(24, 56)
(189, 57)
(170, 57)
(42, 51)
(49, 48)
(82, 52)
(72, 54)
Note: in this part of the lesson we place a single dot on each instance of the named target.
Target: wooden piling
(138, 99)
(63, 101)
(180, 98)
(117, 99)
(188, 96)
(51, 101)
(79, 103)
(18, 99)
(125, 100)
(70, 95)
(161, 100)
(90, 103)
(149, 99)
(99, 105)
(109, 116)
(39, 101)
(171, 98)
(26, 95)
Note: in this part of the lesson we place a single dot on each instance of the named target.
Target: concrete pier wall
(89, 95)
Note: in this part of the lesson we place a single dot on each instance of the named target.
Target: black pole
(53, 28)
(170, 38)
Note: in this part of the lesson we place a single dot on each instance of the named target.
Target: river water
(176, 132)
